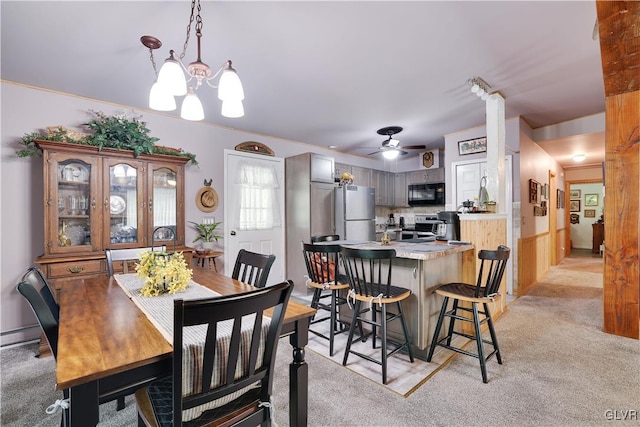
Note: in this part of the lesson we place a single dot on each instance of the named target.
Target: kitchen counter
(422, 250)
(422, 267)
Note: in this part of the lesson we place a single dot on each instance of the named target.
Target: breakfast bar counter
(422, 267)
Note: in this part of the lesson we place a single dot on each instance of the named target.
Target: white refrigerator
(355, 212)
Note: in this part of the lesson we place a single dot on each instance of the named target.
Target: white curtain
(164, 206)
(257, 183)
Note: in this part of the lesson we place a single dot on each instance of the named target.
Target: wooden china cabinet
(98, 199)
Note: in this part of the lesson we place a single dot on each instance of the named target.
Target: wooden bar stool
(208, 258)
(486, 289)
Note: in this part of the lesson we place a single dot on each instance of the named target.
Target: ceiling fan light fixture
(393, 142)
(390, 154)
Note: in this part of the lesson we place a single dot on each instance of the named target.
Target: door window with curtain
(257, 183)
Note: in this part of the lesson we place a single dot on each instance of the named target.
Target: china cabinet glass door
(72, 200)
(164, 222)
(124, 216)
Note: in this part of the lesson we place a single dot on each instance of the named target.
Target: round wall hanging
(207, 198)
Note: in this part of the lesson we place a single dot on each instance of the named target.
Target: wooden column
(619, 31)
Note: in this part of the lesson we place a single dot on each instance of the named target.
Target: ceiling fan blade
(375, 152)
(414, 147)
(402, 152)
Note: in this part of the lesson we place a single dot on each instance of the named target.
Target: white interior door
(266, 241)
(468, 182)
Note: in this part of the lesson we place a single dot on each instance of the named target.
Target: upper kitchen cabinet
(400, 189)
(339, 169)
(98, 199)
(361, 176)
(384, 184)
(321, 168)
(427, 176)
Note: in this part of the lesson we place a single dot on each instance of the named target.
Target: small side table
(202, 258)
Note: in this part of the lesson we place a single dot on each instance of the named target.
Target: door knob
(233, 233)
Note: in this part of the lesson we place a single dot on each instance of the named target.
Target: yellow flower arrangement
(163, 273)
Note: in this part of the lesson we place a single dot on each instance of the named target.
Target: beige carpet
(576, 271)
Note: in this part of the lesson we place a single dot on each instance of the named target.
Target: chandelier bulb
(232, 109)
(192, 107)
(172, 77)
(230, 86)
(160, 99)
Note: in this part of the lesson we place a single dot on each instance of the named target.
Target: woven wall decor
(207, 198)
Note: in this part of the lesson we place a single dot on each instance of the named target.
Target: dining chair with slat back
(239, 392)
(125, 255)
(323, 264)
(37, 280)
(486, 290)
(369, 273)
(39, 301)
(253, 268)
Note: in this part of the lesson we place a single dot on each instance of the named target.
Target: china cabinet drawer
(75, 268)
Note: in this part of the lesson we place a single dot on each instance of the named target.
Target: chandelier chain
(153, 62)
(186, 41)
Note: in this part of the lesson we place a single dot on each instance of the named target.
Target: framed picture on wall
(471, 146)
(589, 213)
(574, 205)
(559, 199)
(534, 191)
(574, 194)
(591, 200)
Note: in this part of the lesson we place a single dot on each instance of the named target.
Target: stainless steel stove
(425, 226)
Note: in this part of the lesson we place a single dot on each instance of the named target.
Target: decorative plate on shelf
(117, 205)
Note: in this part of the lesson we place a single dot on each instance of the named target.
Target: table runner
(159, 311)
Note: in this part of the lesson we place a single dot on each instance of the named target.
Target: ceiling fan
(390, 147)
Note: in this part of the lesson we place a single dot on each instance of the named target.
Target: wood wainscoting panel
(533, 262)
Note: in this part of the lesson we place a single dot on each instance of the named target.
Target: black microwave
(426, 194)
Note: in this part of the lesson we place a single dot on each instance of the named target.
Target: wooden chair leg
(452, 322)
(383, 326)
(333, 325)
(356, 312)
(436, 333)
(494, 338)
(405, 331)
(476, 322)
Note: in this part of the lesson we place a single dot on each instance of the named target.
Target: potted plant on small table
(206, 233)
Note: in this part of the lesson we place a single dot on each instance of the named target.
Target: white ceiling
(329, 72)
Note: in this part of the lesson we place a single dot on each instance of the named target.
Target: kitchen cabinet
(427, 176)
(321, 168)
(97, 199)
(400, 189)
(309, 207)
(385, 187)
(362, 176)
(339, 169)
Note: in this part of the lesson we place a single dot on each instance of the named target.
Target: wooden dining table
(106, 343)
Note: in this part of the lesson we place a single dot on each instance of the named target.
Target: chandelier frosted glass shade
(171, 77)
(230, 87)
(160, 99)
(232, 109)
(192, 107)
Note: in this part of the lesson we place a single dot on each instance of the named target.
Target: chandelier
(171, 82)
